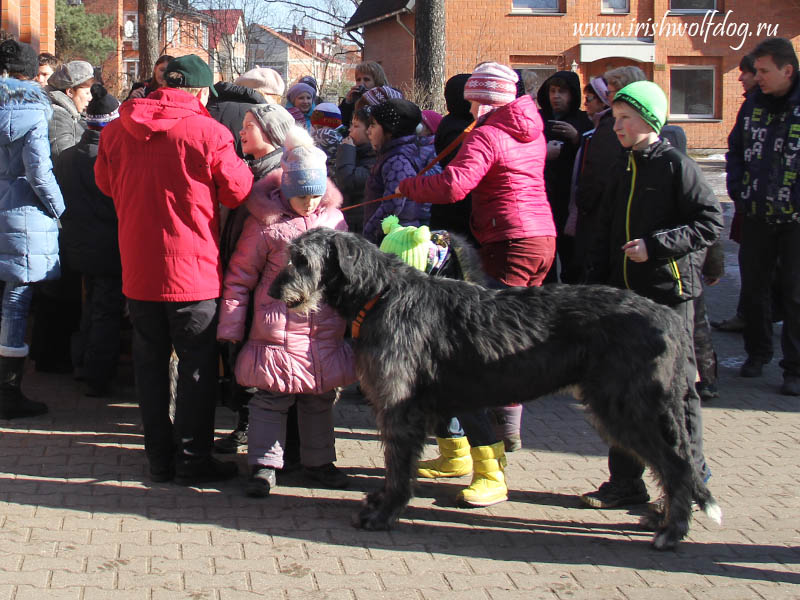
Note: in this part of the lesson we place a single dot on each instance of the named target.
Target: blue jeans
(16, 306)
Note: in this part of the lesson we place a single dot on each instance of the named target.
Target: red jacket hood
(267, 204)
(160, 111)
(520, 119)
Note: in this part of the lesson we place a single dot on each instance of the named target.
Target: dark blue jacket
(30, 200)
(400, 159)
(89, 241)
(763, 157)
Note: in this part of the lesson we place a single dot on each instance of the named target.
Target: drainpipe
(403, 25)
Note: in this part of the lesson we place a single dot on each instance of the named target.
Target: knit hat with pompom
(303, 164)
(411, 244)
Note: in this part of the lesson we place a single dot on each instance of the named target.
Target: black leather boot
(13, 403)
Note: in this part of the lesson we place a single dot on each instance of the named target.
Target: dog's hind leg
(403, 430)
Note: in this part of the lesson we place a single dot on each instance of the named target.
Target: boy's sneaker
(231, 443)
(752, 368)
(328, 475)
(791, 385)
(612, 494)
(261, 481)
(197, 471)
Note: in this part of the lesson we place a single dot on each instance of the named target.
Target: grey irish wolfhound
(435, 346)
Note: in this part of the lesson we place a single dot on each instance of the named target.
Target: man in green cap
(168, 165)
(658, 214)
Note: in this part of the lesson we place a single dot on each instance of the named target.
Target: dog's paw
(374, 499)
(371, 519)
(667, 537)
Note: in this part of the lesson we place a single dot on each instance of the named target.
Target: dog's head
(340, 269)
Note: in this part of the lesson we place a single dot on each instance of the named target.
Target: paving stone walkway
(79, 520)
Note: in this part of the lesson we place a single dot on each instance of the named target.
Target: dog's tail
(705, 500)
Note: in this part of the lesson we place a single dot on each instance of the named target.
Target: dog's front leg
(403, 435)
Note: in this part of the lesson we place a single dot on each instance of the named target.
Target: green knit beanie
(647, 99)
(409, 243)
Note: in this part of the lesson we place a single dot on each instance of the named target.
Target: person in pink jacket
(290, 357)
(502, 163)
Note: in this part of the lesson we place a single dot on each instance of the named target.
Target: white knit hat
(262, 78)
(493, 84)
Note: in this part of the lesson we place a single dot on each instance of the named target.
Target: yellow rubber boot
(453, 460)
(488, 483)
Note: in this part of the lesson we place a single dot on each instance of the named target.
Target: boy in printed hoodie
(659, 214)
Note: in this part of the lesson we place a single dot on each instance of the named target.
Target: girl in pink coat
(290, 357)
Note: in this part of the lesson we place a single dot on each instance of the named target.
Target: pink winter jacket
(285, 352)
(502, 163)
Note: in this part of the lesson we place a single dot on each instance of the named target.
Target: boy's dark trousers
(762, 246)
(97, 350)
(191, 328)
(622, 465)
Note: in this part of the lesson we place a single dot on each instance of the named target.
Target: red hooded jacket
(167, 164)
(502, 163)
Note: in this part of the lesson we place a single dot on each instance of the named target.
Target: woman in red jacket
(502, 163)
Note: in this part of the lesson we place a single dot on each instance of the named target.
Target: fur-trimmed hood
(21, 105)
(267, 204)
(60, 99)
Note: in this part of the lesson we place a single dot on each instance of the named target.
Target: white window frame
(126, 63)
(691, 117)
(528, 10)
(529, 67)
(692, 11)
(169, 32)
(134, 18)
(615, 11)
(205, 36)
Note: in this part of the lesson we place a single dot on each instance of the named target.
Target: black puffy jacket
(659, 195)
(230, 106)
(88, 239)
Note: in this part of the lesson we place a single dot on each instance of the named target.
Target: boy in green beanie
(659, 213)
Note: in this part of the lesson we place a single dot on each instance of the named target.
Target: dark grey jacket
(66, 126)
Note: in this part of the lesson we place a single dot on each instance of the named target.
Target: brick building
(182, 30)
(227, 43)
(295, 54)
(30, 21)
(693, 54)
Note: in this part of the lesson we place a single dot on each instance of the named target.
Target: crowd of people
(174, 210)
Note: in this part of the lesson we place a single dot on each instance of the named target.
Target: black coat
(88, 239)
(230, 106)
(672, 208)
(558, 171)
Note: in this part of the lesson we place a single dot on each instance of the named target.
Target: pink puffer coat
(286, 351)
(502, 163)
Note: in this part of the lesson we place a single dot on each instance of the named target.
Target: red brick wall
(479, 31)
(10, 18)
(47, 26)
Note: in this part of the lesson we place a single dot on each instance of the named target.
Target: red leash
(450, 147)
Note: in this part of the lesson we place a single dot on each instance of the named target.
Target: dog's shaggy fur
(436, 346)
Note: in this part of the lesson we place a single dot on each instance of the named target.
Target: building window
(205, 36)
(534, 76)
(691, 92)
(535, 6)
(130, 26)
(615, 6)
(692, 5)
(170, 30)
(131, 71)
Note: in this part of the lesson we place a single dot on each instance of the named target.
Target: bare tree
(148, 36)
(321, 15)
(429, 49)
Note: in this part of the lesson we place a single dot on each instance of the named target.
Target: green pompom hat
(409, 243)
(647, 99)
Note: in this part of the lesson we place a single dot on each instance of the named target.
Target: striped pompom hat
(493, 84)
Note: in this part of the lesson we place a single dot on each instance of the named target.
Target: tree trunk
(429, 42)
(148, 37)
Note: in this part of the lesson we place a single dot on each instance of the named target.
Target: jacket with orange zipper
(659, 195)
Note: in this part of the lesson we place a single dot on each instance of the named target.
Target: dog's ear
(348, 255)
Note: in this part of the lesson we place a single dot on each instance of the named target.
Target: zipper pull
(630, 157)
